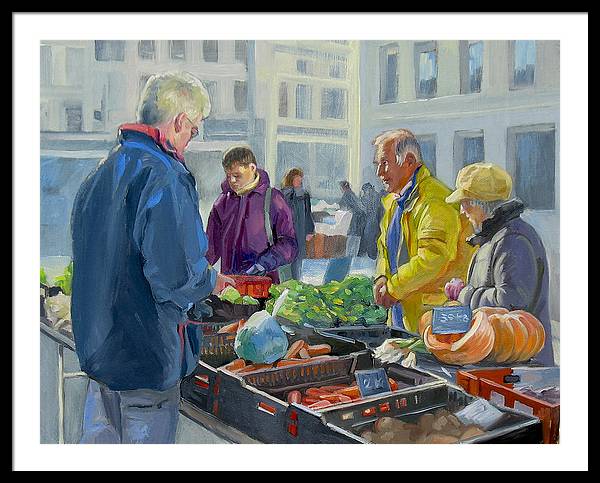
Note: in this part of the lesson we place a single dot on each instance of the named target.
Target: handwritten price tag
(372, 381)
(451, 320)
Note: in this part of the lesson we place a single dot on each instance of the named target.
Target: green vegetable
(247, 300)
(230, 294)
(43, 277)
(64, 281)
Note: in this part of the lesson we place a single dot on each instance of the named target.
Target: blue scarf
(394, 245)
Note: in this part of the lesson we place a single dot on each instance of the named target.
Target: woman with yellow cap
(510, 269)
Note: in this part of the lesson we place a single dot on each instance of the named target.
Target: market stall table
(63, 341)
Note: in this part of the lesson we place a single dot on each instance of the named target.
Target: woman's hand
(453, 288)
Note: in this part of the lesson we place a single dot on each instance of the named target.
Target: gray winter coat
(510, 270)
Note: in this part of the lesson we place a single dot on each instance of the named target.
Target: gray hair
(404, 142)
(168, 94)
(488, 207)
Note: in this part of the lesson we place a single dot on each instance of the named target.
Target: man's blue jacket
(138, 266)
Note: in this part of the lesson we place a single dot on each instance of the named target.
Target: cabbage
(247, 300)
(261, 340)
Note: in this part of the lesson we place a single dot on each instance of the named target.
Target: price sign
(451, 320)
(372, 381)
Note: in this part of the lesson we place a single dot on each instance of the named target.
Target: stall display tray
(501, 385)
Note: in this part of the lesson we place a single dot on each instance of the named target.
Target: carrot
(294, 349)
(345, 399)
(332, 388)
(236, 365)
(303, 353)
(294, 397)
(320, 405)
(307, 401)
(289, 362)
(241, 324)
(319, 349)
(352, 392)
(314, 392)
(393, 384)
(230, 328)
(334, 398)
(254, 368)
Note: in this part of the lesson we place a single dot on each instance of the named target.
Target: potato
(440, 424)
(438, 438)
(402, 437)
(417, 434)
(425, 421)
(384, 424)
(470, 432)
(367, 435)
(387, 437)
(454, 421)
(441, 412)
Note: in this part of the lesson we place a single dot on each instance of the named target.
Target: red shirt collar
(156, 135)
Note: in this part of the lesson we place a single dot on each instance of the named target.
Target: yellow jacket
(435, 236)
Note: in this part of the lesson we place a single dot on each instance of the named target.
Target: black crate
(373, 335)
(513, 427)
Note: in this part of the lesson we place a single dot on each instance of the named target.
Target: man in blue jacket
(139, 265)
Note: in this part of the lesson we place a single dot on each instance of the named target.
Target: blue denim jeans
(139, 416)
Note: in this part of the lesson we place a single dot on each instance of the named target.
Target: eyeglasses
(195, 129)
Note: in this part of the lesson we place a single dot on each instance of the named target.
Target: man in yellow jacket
(423, 239)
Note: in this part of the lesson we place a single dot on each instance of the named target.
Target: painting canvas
(329, 241)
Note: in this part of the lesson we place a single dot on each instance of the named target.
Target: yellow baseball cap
(481, 181)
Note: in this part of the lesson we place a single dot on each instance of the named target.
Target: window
(213, 94)
(471, 68)
(210, 50)
(303, 101)
(146, 49)
(107, 50)
(304, 66)
(241, 51)
(177, 49)
(427, 143)
(426, 69)
(524, 53)
(337, 70)
(45, 65)
(283, 100)
(388, 72)
(74, 117)
(333, 104)
(531, 152)
(468, 148)
(240, 96)
(331, 161)
(292, 155)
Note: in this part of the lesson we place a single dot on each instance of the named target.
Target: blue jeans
(139, 416)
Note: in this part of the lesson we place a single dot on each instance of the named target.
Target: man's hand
(387, 300)
(453, 288)
(309, 236)
(222, 282)
(377, 293)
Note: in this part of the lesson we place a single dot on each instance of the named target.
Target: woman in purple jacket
(237, 233)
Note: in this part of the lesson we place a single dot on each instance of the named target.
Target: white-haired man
(422, 240)
(139, 265)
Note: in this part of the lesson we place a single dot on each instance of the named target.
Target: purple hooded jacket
(236, 230)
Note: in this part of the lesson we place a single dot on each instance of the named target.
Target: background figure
(299, 201)
(338, 268)
(349, 201)
(371, 200)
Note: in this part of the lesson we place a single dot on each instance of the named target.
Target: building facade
(307, 94)
(469, 101)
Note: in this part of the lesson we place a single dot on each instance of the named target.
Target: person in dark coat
(349, 201)
(371, 200)
(510, 269)
(139, 265)
(299, 201)
(236, 230)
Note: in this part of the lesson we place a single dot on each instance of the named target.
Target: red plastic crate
(254, 286)
(483, 382)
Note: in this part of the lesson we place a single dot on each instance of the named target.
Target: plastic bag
(261, 340)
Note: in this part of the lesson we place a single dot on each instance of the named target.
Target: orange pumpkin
(470, 348)
(518, 335)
